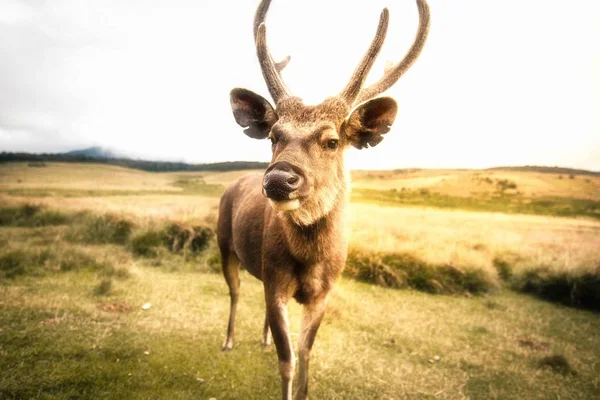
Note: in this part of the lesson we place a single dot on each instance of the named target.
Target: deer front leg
(231, 268)
(277, 316)
(266, 332)
(312, 315)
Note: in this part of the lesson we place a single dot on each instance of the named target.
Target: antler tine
(391, 75)
(352, 89)
(259, 18)
(274, 82)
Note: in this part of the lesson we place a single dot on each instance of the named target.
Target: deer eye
(273, 140)
(333, 144)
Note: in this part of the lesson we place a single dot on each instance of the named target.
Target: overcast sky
(509, 82)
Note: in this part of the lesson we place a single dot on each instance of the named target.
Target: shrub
(147, 244)
(104, 288)
(40, 261)
(176, 237)
(557, 363)
(504, 184)
(31, 215)
(180, 237)
(398, 270)
(213, 261)
(504, 268)
(576, 290)
(101, 229)
(72, 260)
(370, 267)
(13, 264)
(202, 238)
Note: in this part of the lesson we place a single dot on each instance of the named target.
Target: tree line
(144, 165)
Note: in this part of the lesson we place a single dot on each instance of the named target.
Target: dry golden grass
(153, 206)
(224, 178)
(83, 177)
(474, 239)
(465, 183)
(101, 177)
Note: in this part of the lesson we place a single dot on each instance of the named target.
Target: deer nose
(280, 181)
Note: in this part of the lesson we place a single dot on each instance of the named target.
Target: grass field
(83, 247)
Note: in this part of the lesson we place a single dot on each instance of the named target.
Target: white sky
(509, 82)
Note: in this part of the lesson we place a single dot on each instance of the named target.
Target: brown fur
(294, 240)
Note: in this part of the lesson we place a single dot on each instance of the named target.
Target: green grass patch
(40, 261)
(400, 270)
(58, 340)
(505, 203)
(31, 215)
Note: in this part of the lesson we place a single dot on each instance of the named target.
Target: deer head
(306, 175)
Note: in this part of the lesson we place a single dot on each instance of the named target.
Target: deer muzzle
(283, 184)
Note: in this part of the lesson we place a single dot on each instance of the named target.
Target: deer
(286, 226)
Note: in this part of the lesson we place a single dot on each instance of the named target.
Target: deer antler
(392, 74)
(259, 18)
(274, 82)
(351, 90)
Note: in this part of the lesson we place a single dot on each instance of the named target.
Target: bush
(399, 270)
(557, 363)
(176, 237)
(13, 264)
(73, 260)
(31, 215)
(370, 267)
(101, 229)
(581, 290)
(180, 237)
(104, 288)
(504, 268)
(147, 244)
(213, 261)
(504, 184)
(40, 261)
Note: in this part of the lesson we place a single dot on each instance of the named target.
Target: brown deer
(286, 227)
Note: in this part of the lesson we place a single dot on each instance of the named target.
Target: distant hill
(99, 155)
(549, 170)
(95, 152)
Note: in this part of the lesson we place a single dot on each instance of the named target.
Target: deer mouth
(285, 205)
(293, 201)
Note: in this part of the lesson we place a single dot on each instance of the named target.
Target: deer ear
(253, 112)
(370, 121)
